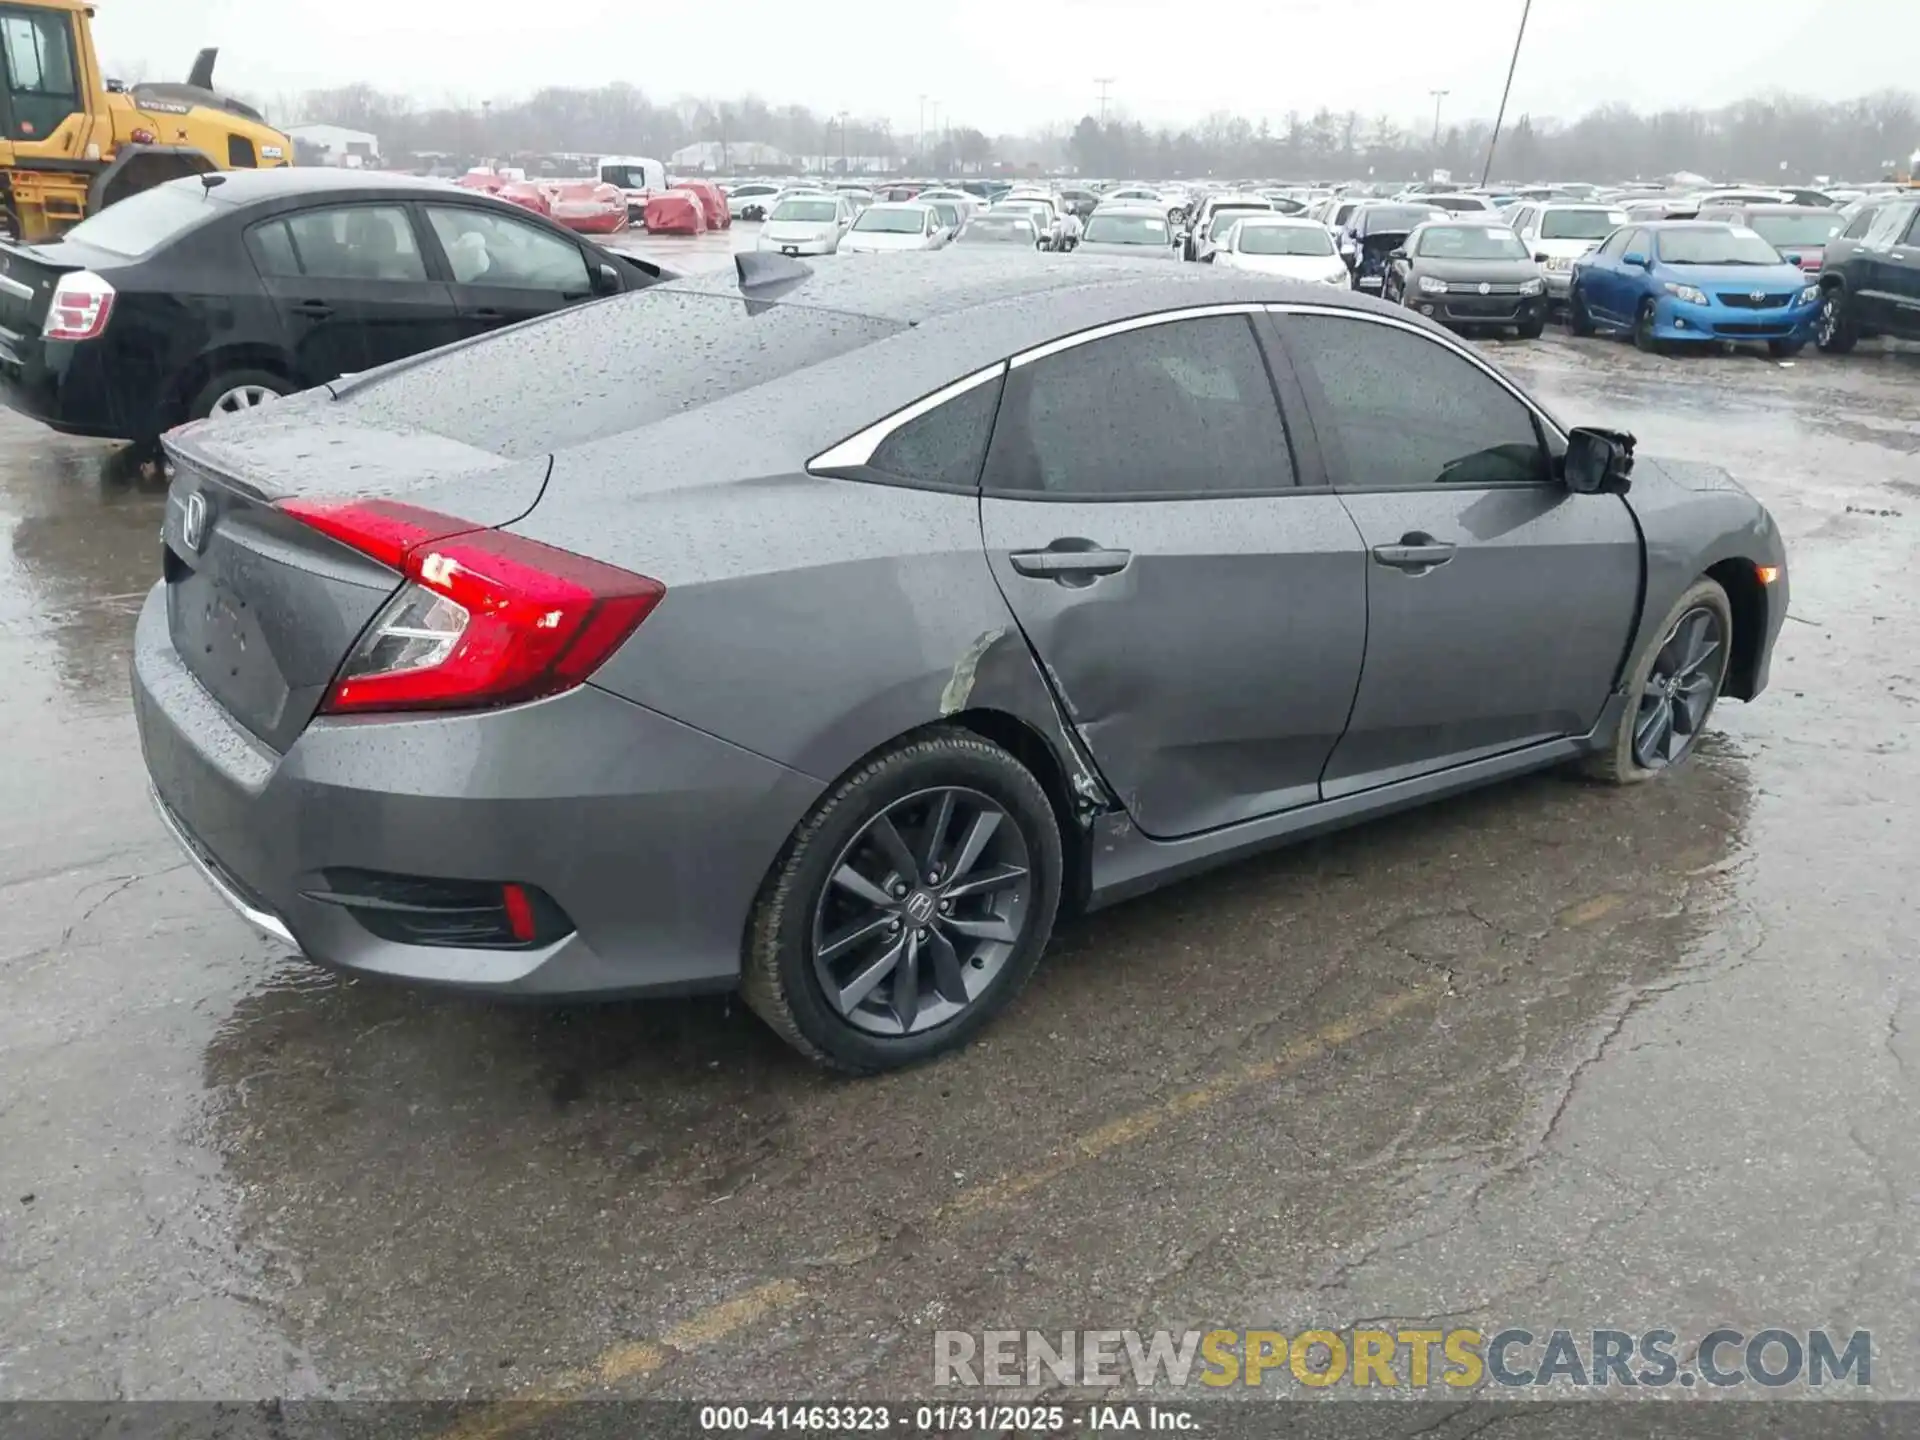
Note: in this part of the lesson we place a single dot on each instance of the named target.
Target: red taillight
(486, 618)
(81, 305)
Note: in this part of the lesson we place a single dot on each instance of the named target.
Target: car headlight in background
(1431, 286)
(1686, 293)
(1340, 277)
(1809, 295)
(1532, 287)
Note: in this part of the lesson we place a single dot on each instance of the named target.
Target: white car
(1217, 215)
(1470, 205)
(1558, 232)
(1060, 231)
(1291, 247)
(895, 225)
(751, 199)
(968, 203)
(806, 225)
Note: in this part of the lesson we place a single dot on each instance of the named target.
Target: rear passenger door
(1499, 602)
(351, 288)
(1200, 611)
(1903, 282)
(504, 269)
(1877, 273)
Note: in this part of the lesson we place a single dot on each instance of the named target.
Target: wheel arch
(247, 355)
(1034, 750)
(1748, 599)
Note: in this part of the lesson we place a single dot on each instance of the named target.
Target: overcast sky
(1011, 64)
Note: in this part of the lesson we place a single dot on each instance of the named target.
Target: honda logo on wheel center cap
(920, 907)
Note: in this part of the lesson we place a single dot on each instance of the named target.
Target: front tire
(909, 908)
(1533, 329)
(1785, 349)
(1644, 337)
(1579, 318)
(1834, 330)
(1671, 690)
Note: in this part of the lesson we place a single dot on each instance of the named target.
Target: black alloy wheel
(1833, 328)
(1643, 329)
(921, 910)
(1579, 318)
(1680, 689)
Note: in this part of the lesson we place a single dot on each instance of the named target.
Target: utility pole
(920, 139)
(1438, 96)
(1105, 82)
(843, 143)
(1512, 65)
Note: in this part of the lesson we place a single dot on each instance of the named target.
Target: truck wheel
(233, 392)
(1833, 330)
(1671, 689)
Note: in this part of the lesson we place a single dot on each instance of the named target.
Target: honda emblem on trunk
(193, 525)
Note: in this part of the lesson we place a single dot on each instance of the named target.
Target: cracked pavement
(1546, 1055)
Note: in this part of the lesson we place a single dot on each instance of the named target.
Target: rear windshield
(142, 223)
(1228, 216)
(1393, 219)
(1580, 224)
(605, 368)
(1285, 240)
(1814, 229)
(1125, 230)
(892, 222)
(1460, 204)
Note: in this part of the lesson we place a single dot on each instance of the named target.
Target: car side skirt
(1127, 863)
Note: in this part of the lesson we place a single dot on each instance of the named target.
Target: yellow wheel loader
(72, 141)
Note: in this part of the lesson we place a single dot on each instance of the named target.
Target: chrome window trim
(857, 449)
(1137, 322)
(1445, 342)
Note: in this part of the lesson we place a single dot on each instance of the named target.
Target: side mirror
(1540, 258)
(1799, 262)
(1396, 254)
(1635, 259)
(606, 279)
(1597, 462)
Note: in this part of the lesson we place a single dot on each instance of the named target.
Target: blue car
(1672, 281)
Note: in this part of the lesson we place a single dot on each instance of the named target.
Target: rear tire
(234, 391)
(1834, 330)
(783, 974)
(1617, 763)
(1579, 318)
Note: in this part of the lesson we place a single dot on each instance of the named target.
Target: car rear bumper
(70, 388)
(652, 837)
(1675, 319)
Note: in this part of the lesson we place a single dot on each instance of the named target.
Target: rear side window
(1409, 412)
(355, 242)
(143, 222)
(603, 369)
(947, 445)
(1182, 409)
(273, 251)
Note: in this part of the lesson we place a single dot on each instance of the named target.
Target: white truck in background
(636, 175)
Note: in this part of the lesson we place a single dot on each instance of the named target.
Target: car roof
(1775, 208)
(1570, 204)
(1275, 220)
(1135, 208)
(1682, 225)
(247, 187)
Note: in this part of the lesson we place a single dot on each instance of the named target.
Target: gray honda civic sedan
(829, 629)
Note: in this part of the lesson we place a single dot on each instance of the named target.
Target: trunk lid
(28, 274)
(262, 608)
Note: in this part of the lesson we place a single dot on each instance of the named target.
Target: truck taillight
(486, 618)
(81, 304)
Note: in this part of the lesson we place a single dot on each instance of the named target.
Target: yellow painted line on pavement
(637, 1359)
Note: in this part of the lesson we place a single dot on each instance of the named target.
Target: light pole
(843, 143)
(1438, 96)
(1512, 65)
(920, 137)
(1105, 82)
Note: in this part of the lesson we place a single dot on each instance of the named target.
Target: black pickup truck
(1870, 281)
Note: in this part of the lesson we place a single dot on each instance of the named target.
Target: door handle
(1070, 562)
(1417, 553)
(313, 309)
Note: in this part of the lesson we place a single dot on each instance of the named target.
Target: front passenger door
(1499, 602)
(1201, 619)
(504, 269)
(1903, 282)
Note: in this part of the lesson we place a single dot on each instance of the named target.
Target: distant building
(734, 158)
(335, 145)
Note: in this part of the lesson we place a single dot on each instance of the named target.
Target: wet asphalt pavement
(1550, 1054)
